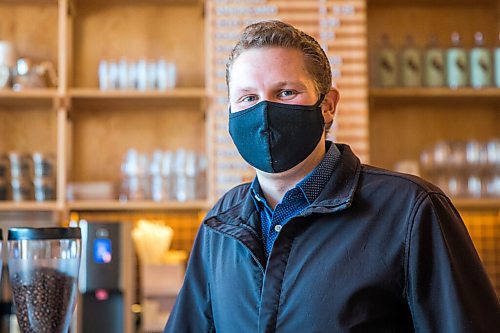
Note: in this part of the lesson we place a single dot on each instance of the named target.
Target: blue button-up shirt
(295, 200)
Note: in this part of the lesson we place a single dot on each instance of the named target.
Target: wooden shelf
(33, 206)
(41, 93)
(90, 93)
(434, 93)
(431, 2)
(114, 205)
(135, 2)
(493, 203)
(18, 2)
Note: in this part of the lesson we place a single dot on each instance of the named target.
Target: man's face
(273, 74)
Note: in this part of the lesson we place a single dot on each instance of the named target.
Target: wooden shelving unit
(30, 206)
(17, 2)
(434, 93)
(41, 99)
(115, 205)
(88, 131)
(67, 121)
(178, 93)
(405, 121)
(418, 117)
(135, 205)
(28, 94)
(477, 204)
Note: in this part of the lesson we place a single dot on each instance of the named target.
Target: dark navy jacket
(376, 252)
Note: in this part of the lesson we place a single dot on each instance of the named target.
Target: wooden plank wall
(340, 27)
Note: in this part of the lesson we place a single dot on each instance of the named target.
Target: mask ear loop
(320, 100)
(318, 104)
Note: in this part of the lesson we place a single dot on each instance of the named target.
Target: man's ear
(329, 106)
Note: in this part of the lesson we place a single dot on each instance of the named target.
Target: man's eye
(248, 99)
(287, 93)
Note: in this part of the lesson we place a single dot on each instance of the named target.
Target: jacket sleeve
(192, 312)
(446, 287)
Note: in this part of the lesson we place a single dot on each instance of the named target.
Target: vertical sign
(343, 36)
(339, 26)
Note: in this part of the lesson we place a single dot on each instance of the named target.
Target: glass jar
(42, 165)
(19, 166)
(44, 189)
(3, 189)
(3, 166)
(20, 190)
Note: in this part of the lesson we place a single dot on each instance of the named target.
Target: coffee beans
(44, 298)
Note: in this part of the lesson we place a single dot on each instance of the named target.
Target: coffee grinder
(43, 273)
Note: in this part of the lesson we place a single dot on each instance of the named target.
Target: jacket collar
(339, 191)
(240, 219)
(337, 194)
(242, 222)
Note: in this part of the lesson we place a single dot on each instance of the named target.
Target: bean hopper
(43, 271)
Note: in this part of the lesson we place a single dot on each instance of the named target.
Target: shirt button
(277, 228)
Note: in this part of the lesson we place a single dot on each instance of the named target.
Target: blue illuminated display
(102, 250)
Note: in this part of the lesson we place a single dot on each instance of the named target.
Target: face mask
(275, 137)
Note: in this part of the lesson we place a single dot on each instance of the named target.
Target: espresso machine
(107, 278)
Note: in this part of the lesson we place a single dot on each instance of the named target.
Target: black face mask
(275, 137)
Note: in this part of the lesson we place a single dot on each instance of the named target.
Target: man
(319, 242)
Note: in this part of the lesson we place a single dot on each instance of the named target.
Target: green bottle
(386, 63)
(411, 64)
(456, 63)
(480, 63)
(434, 64)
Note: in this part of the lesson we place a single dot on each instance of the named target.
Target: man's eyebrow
(246, 89)
(290, 83)
(276, 85)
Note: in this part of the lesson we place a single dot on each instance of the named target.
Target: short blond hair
(279, 34)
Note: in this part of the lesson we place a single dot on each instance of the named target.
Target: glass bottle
(456, 63)
(480, 63)
(434, 64)
(386, 63)
(411, 64)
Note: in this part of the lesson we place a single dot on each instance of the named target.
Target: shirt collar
(314, 182)
(312, 185)
(257, 195)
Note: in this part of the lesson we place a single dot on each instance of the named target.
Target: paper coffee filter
(152, 240)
